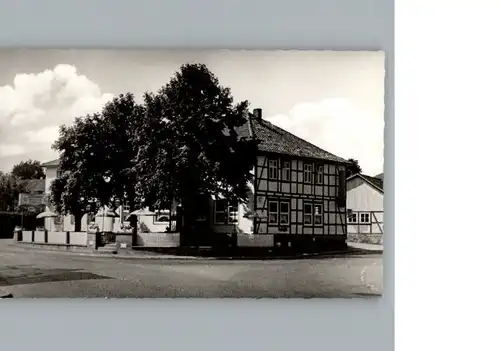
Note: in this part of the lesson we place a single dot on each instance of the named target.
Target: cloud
(11, 150)
(339, 127)
(36, 104)
(42, 136)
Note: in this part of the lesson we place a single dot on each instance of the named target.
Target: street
(40, 274)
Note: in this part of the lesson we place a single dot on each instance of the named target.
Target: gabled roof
(376, 182)
(277, 140)
(53, 163)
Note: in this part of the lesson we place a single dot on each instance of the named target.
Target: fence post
(46, 236)
(32, 236)
(67, 238)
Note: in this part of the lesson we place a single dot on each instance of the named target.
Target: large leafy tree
(96, 158)
(80, 182)
(28, 170)
(189, 143)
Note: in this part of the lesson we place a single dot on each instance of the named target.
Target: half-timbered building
(299, 191)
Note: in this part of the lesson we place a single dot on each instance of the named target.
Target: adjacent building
(365, 208)
(298, 196)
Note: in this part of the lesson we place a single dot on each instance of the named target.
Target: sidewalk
(353, 249)
(369, 247)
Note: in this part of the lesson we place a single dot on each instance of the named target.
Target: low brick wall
(158, 239)
(366, 238)
(58, 247)
(39, 237)
(123, 241)
(78, 238)
(259, 240)
(27, 236)
(91, 240)
(55, 238)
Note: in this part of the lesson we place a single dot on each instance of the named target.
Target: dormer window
(273, 169)
(308, 173)
(285, 170)
(319, 174)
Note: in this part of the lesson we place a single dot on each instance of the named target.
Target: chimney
(257, 113)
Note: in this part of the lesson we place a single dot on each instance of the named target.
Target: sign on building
(31, 199)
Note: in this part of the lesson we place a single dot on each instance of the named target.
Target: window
(318, 214)
(319, 174)
(284, 213)
(220, 211)
(58, 174)
(285, 170)
(312, 212)
(273, 212)
(233, 212)
(226, 213)
(273, 169)
(352, 217)
(364, 218)
(166, 217)
(308, 213)
(307, 173)
(162, 216)
(125, 211)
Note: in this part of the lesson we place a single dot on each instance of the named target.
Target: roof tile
(277, 140)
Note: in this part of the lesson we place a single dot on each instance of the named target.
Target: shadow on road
(10, 275)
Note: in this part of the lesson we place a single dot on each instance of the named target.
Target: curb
(135, 256)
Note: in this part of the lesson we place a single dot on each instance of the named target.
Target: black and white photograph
(191, 173)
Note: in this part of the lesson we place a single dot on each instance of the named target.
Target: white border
(447, 139)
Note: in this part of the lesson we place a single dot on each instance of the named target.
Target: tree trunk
(78, 222)
(187, 219)
(133, 223)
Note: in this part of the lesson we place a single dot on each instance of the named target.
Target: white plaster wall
(56, 237)
(365, 198)
(78, 238)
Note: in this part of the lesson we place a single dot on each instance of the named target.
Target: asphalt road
(40, 274)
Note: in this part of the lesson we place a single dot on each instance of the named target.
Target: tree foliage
(10, 188)
(96, 158)
(191, 145)
(120, 123)
(28, 170)
(353, 167)
(77, 186)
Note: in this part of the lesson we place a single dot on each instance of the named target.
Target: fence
(55, 238)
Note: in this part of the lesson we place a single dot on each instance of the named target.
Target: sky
(333, 99)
